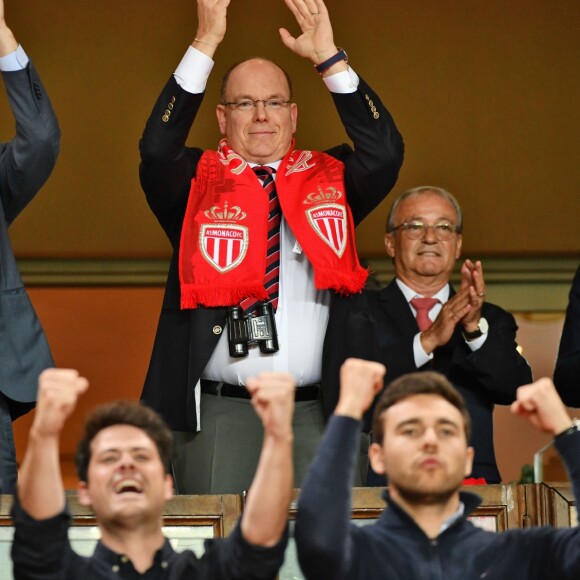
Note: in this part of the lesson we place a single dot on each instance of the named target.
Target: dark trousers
(223, 456)
(8, 470)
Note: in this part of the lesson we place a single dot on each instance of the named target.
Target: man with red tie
(236, 249)
(423, 323)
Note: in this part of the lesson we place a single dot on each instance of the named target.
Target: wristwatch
(340, 55)
(482, 328)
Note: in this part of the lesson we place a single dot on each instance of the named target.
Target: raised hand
(273, 400)
(58, 392)
(451, 314)
(8, 43)
(472, 278)
(211, 25)
(316, 41)
(541, 405)
(360, 382)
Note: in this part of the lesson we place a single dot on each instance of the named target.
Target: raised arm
(371, 170)
(167, 165)
(541, 405)
(265, 516)
(40, 487)
(323, 520)
(28, 159)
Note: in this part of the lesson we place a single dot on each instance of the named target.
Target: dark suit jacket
(567, 373)
(379, 325)
(185, 339)
(25, 164)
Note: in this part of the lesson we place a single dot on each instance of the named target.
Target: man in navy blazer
(25, 164)
(192, 381)
(470, 341)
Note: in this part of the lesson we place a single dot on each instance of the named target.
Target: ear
(168, 487)
(469, 460)
(390, 244)
(220, 112)
(83, 494)
(376, 458)
(458, 246)
(294, 116)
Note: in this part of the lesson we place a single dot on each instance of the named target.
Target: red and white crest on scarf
(329, 220)
(224, 245)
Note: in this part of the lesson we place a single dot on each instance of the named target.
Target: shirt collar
(116, 561)
(274, 164)
(409, 293)
(453, 518)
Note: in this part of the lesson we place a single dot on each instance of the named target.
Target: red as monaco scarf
(223, 241)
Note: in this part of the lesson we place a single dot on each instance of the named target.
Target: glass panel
(84, 539)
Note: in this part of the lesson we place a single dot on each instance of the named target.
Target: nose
(429, 235)
(260, 111)
(126, 461)
(430, 439)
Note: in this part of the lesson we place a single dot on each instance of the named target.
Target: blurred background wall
(485, 94)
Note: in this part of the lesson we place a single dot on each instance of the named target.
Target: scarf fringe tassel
(194, 297)
(349, 283)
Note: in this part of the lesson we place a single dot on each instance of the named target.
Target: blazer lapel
(393, 303)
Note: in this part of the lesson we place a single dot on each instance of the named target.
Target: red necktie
(423, 306)
(271, 279)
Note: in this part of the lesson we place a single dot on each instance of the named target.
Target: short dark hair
(419, 383)
(416, 191)
(226, 77)
(124, 413)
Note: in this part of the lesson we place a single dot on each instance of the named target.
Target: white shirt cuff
(477, 343)
(421, 357)
(343, 82)
(193, 71)
(16, 60)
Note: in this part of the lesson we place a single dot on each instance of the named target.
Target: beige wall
(485, 93)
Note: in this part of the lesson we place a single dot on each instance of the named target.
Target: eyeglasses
(416, 230)
(249, 105)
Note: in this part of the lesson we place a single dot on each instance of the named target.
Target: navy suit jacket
(379, 325)
(25, 163)
(186, 339)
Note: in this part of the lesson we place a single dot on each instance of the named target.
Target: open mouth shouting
(128, 485)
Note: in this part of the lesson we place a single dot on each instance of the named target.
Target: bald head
(260, 134)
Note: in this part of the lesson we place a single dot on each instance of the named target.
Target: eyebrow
(274, 96)
(417, 421)
(422, 219)
(119, 449)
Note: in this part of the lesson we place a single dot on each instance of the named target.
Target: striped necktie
(271, 280)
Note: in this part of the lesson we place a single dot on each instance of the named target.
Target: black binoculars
(244, 330)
